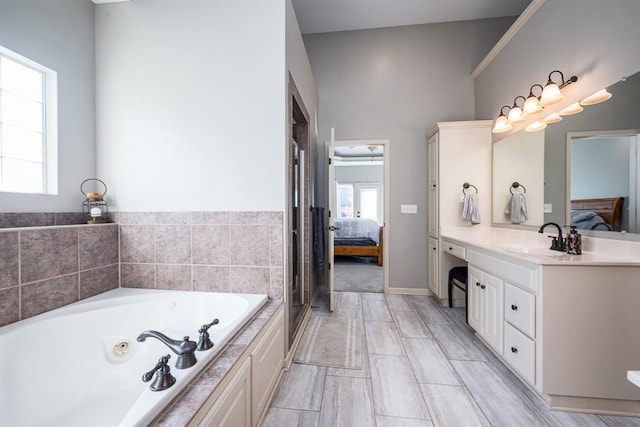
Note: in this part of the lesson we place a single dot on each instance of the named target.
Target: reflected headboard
(610, 209)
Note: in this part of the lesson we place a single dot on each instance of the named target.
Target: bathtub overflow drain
(122, 348)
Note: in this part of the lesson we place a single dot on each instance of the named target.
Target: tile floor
(423, 367)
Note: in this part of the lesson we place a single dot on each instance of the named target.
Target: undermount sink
(534, 251)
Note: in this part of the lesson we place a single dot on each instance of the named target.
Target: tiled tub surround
(40, 219)
(202, 251)
(43, 268)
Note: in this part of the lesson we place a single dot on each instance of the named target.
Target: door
(369, 201)
(474, 298)
(434, 271)
(332, 211)
(433, 187)
(493, 307)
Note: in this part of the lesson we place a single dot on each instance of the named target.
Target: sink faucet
(185, 349)
(557, 244)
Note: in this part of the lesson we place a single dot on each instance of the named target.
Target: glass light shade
(502, 125)
(536, 126)
(531, 105)
(574, 108)
(550, 95)
(552, 118)
(596, 98)
(515, 115)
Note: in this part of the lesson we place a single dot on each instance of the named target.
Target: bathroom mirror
(568, 160)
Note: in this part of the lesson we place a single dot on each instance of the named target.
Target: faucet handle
(204, 343)
(163, 378)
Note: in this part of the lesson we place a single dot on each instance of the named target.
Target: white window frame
(50, 119)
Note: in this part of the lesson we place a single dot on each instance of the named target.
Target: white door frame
(385, 194)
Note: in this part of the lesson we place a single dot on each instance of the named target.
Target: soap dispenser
(574, 242)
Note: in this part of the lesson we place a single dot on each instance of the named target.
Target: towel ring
(516, 185)
(467, 185)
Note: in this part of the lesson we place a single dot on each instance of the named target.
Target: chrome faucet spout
(557, 244)
(185, 349)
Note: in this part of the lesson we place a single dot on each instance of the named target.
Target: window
(28, 141)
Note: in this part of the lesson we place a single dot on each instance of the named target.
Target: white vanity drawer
(454, 249)
(520, 353)
(520, 309)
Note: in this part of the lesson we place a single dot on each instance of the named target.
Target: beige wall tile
(49, 294)
(48, 252)
(9, 266)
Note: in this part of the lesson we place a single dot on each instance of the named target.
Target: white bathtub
(61, 368)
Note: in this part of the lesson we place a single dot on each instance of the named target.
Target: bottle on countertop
(574, 242)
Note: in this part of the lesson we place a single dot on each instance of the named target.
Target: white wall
(191, 111)
(396, 83)
(60, 36)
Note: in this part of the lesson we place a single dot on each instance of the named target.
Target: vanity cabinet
(458, 152)
(486, 313)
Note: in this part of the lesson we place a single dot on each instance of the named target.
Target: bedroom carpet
(354, 274)
(332, 342)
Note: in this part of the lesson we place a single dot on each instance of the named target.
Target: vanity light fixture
(502, 123)
(552, 118)
(515, 113)
(535, 126)
(596, 98)
(574, 108)
(551, 92)
(532, 104)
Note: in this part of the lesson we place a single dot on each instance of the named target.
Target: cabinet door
(434, 264)
(233, 407)
(493, 307)
(475, 298)
(432, 199)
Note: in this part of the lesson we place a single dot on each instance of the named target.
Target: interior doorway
(358, 184)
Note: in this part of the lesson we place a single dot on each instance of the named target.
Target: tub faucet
(185, 349)
(204, 343)
(557, 244)
(163, 378)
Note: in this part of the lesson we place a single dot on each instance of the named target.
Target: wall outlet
(409, 209)
(547, 208)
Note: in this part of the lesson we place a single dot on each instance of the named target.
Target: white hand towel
(470, 209)
(516, 209)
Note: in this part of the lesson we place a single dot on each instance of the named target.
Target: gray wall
(593, 39)
(359, 173)
(59, 35)
(396, 83)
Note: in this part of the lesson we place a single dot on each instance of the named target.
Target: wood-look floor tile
(499, 401)
(572, 419)
(616, 421)
(410, 325)
(452, 406)
(430, 310)
(280, 417)
(383, 338)
(348, 300)
(401, 422)
(456, 345)
(376, 310)
(429, 362)
(346, 402)
(301, 388)
(375, 296)
(399, 303)
(395, 390)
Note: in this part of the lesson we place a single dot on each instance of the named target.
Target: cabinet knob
(482, 286)
(514, 350)
(477, 283)
(450, 248)
(514, 307)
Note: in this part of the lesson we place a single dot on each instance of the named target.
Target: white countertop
(533, 247)
(634, 377)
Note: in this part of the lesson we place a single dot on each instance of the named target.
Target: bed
(358, 237)
(597, 214)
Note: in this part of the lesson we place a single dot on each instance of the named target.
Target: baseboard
(409, 291)
(297, 338)
(629, 408)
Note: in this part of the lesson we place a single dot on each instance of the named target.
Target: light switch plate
(409, 209)
(547, 208)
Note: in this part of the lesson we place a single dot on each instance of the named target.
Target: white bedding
(357, 229)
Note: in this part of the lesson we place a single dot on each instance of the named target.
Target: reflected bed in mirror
(572, 170)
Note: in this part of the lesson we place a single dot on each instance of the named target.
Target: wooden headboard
(610, 209)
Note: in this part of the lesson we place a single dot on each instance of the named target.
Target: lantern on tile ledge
(94, 207)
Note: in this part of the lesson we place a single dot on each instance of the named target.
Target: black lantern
(94, 206)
